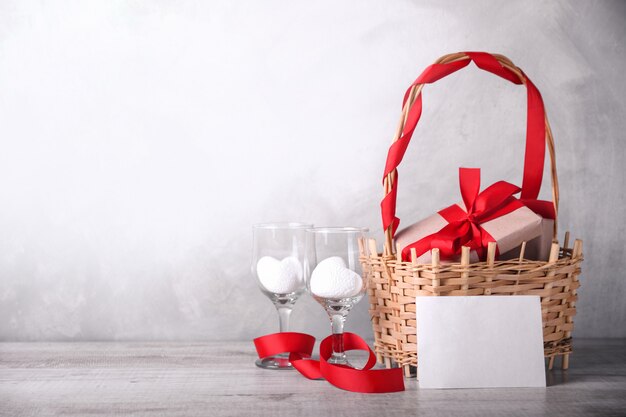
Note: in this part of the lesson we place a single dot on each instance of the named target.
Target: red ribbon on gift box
(464, 226)
(535, 135)
(300, 347)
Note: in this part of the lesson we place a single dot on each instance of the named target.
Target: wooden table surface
(220, 379)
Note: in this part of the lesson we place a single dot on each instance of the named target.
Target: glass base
(340, 360)
(274, 362)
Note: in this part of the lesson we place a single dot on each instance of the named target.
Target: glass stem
(283, 317)
(337, 321)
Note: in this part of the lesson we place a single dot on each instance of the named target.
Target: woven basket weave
(394, 284)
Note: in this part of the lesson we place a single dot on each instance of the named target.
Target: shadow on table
(558, 377)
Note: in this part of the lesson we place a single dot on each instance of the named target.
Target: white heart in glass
(332, 279)
(280, 277)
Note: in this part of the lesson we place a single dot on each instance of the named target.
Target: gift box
(536, 249)
(493, 215)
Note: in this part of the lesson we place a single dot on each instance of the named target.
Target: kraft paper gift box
(507, 222)
(509, 231)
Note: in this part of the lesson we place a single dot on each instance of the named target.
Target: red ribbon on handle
(464, 226)
(300, 347)
(535, 133)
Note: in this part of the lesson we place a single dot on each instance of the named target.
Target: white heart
(333, 280)
(280, 277)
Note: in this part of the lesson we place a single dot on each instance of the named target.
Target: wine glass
(277, 258)
(334, 276)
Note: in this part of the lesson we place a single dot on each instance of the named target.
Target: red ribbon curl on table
(535, 134)
(300, 347)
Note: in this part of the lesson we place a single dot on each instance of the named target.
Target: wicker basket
(394, 283)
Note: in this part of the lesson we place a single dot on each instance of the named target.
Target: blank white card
(480, 342)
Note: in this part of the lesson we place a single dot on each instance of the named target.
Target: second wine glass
(334, 276)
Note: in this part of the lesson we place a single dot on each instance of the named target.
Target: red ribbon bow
(300, 347)
(464, 226)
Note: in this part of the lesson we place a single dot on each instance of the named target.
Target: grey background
(140, 140)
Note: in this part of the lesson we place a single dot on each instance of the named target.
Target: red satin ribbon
(464, 226)
(535, 134)
(300, 347)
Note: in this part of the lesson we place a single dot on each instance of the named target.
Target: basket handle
(538, 132)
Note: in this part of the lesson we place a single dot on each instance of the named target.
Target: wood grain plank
(220, 379)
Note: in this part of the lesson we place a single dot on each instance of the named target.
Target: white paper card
(480, 342)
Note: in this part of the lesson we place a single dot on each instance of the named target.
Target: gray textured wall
(140, 140)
